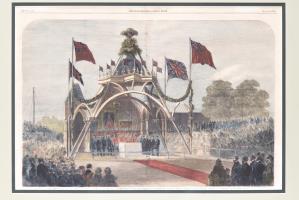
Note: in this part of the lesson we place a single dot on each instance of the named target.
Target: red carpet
(177, 170)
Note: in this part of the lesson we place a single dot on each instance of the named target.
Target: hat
(88, 166)
(108, 170)
(245, 158)
(98, 170)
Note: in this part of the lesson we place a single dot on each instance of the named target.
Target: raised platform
(137, 78)
(129, 149)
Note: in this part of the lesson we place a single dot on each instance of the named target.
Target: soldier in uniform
(104, 145)
(99, 147)
(94, 146)
(145, 145)
(157, 145)
(142, 144)
(152, 145)
(109, 145)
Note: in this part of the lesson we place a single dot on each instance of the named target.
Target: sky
(240, 50)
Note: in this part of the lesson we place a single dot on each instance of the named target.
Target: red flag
(82, 52)
(200, 54)
(76, 74)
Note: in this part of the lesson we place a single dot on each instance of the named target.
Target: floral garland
(189, 90)
(98, 96)
(167, 98)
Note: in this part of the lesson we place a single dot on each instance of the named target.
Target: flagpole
(190, 58)
(152, 68)
(69, 110)
(191, 95)
(72, 88)
(165, 79)
(165, 119)
(72, 78)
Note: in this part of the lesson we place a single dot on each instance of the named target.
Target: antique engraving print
(148, 97)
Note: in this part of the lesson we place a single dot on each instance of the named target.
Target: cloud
(227, 73)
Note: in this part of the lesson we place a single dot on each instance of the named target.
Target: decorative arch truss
(101, 101)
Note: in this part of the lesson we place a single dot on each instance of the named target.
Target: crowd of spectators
(45, 162)
(62, 172)
(258, 172)
(231, 125)
(41, 141)
(248, 136)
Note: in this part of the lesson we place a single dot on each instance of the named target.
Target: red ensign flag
(82, 52)
(200, 54)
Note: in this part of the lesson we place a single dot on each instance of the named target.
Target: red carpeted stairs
(177, 170)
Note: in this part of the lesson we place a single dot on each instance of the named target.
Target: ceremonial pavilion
(129, 104)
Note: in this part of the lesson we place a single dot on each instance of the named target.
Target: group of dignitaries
(63, 173)
(258, 172)
(150, 145)
(103, 146)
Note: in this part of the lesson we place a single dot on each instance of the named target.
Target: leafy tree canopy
(224, 102)
(52, 123)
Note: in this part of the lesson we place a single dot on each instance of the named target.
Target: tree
(224, 102)
(218, 102)
(249, 100)
(52, 123)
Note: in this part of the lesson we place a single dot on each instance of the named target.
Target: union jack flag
(176, 69)
(200, 54)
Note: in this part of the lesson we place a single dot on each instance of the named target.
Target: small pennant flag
(101, 69)
(108, 66)
(73, 72)
(112, 62)
(159, 69)
(155, 63)
(82, 52)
